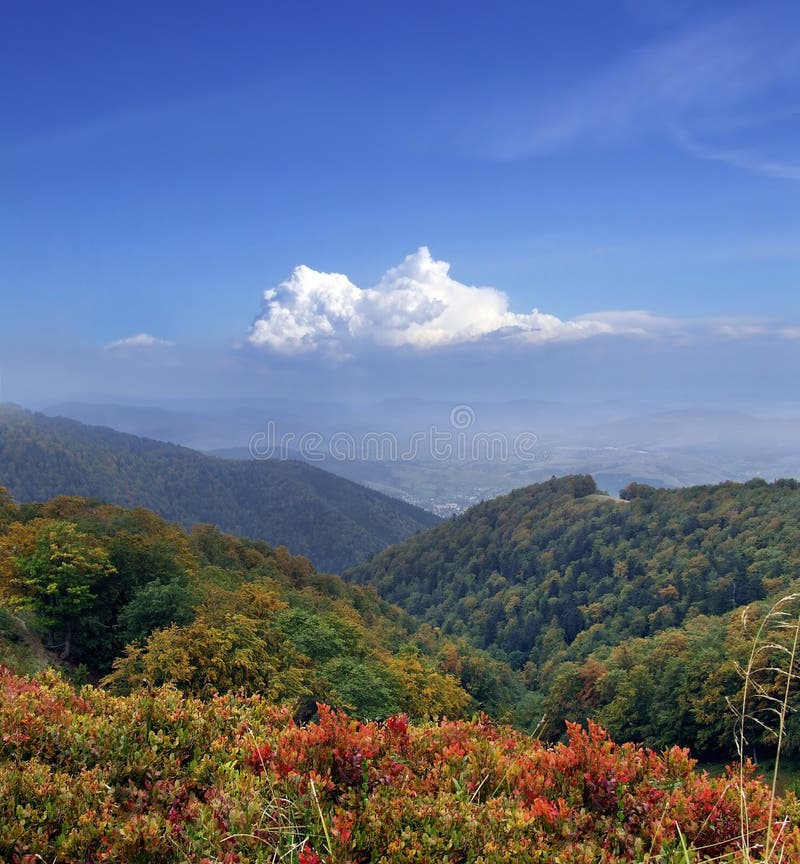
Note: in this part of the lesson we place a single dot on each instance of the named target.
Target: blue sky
(163, 165)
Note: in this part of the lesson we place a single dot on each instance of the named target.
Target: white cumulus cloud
(140, 340)
(416, 304)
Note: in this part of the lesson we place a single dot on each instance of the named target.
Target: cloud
(416, 304)
(738, 157)
(706, 74)
(140, 340)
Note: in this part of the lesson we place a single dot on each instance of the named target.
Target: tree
(425, 691)
(154, 606)
(55, 575)
(232, 652)
(363, 686)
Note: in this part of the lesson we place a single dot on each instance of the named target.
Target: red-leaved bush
(156, 777)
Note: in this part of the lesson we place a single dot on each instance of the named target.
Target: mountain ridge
(545, 553)
(334, 521)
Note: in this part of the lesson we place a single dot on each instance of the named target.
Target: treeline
(127, 598)
(335, 522)
(629, 610)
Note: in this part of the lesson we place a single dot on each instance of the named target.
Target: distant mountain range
(335, 522)
(617, 443)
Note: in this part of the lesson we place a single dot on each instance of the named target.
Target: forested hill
(335, 522)
(556, 564)
(126, 595)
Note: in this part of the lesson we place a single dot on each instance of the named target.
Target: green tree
(363, 686)
(56, 579)
(154, 606)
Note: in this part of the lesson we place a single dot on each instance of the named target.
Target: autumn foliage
(160, 777)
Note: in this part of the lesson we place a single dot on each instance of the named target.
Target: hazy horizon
(445, 456)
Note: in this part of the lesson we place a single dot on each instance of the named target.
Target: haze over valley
(446, 457)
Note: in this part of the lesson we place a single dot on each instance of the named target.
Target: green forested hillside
(124, 595)
(557, 561)
(555, 602)
(626, 610)
(205, 740)
(335, 522)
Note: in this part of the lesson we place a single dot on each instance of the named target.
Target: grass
(764, 707)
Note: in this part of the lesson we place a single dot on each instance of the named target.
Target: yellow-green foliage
(144, 603)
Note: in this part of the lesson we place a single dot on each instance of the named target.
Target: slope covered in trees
(123, 596)
(630, 611)
(137, 602)
(557, 561)
(335, 522)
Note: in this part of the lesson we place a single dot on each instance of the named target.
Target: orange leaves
(260, 757)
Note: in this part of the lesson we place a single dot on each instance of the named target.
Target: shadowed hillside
(335, 522)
